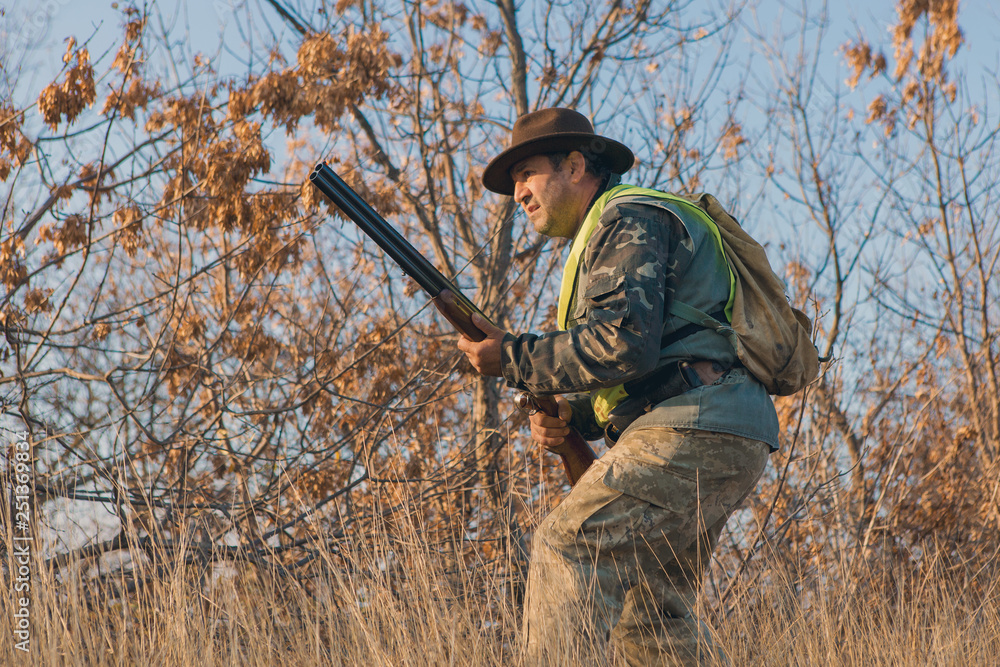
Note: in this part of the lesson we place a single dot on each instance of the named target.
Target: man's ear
(577, 166)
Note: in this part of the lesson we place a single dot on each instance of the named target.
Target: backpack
(772, 339)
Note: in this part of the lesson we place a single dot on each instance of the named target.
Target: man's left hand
(484, 355)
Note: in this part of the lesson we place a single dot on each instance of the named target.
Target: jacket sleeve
(626, 293)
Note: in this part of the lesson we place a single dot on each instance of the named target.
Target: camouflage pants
(622, 557)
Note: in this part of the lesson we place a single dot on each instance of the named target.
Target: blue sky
(37, 29)
(34, 31)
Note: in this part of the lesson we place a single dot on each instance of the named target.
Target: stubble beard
(555, 212)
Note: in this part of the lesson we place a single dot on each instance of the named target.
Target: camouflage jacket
(641, 253)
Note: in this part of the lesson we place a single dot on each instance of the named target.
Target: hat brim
(614, 155)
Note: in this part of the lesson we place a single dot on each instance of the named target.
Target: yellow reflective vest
(604, 400)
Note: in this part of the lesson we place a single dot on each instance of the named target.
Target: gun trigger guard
(525, 405)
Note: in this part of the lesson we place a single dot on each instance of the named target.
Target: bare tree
(199, 342)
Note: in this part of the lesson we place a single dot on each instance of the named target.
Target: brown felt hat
(554, 131)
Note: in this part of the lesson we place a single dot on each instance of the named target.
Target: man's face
(549, 196)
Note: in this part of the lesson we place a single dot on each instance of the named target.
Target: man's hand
(484, 355)
(550, 432)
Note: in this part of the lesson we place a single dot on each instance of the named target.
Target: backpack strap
(683, 332)
(701, 319)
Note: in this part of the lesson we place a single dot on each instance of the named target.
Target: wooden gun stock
(449, 300)
(575, 452)
(576, 455)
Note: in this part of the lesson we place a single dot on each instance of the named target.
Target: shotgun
(575, 452)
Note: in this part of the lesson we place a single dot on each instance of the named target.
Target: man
(622, 557)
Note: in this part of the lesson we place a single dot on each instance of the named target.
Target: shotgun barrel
(449, 299)
(575, 452)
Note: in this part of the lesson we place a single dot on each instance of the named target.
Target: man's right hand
(550, 432)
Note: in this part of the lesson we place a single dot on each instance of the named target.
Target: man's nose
(521, 192)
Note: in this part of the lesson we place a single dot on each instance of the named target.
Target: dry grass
(933, 620)
(442, 608)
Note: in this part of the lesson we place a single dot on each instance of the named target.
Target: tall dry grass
(400, 600)
(940, 616)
